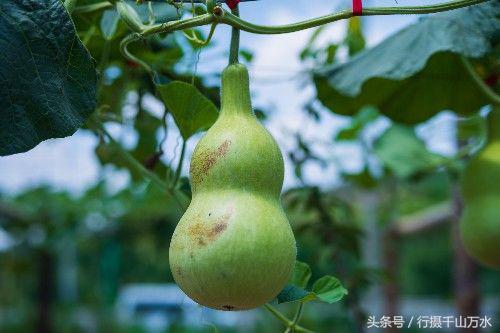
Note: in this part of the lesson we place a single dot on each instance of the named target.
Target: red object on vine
(357, 7)
(232, 3)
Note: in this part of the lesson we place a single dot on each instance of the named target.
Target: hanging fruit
(234, 248)
(480, 225)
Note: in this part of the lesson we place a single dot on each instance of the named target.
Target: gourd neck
(494, 124)
(235, 91)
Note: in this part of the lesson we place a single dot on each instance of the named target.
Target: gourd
(234, 249)
(480, 224)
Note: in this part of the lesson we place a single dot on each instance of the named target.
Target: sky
(276, 84)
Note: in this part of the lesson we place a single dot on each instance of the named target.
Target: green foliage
(329, 289)
(401, 152)
(326, 289)
(363, 118)
(398, 76)
(301, 274)
(50, 75)
(192, 111)
(354, 42)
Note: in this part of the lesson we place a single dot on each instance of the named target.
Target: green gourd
(480, 230)
(234, 249)
(480, 223)
(482, 175)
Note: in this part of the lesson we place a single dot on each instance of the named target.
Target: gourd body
(482, 175)
(234, 249)
(480, 223)
(480, 230)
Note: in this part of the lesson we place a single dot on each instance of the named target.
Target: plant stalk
(235, 40)
(179, 165)
(134, 164)
(288, 323)
(297, 316)
(236, 22)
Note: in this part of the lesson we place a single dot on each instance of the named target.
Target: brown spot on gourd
(228, 307)
(203, 233)
(207, 160)
(218, 228)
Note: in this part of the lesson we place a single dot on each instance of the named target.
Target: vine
(220, 15)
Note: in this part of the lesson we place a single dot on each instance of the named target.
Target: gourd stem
(235, 40)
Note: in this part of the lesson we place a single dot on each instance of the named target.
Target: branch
(236, 22)
(136, 165)
(424, 220)
(10, 213)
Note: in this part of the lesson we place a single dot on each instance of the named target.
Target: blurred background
(84, 237)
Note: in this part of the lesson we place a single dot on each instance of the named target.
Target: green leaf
(329, 289)
(472, 128)
(363, 179)
(293, 293)
(417, 72)
(301, 274)
(365, 116)
(246, 55)
(404, 154)
(47, 76)
(192, 111)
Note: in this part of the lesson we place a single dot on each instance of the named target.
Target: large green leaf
(192, 111)
(417, 72)
(402, 152)
(47, 76)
